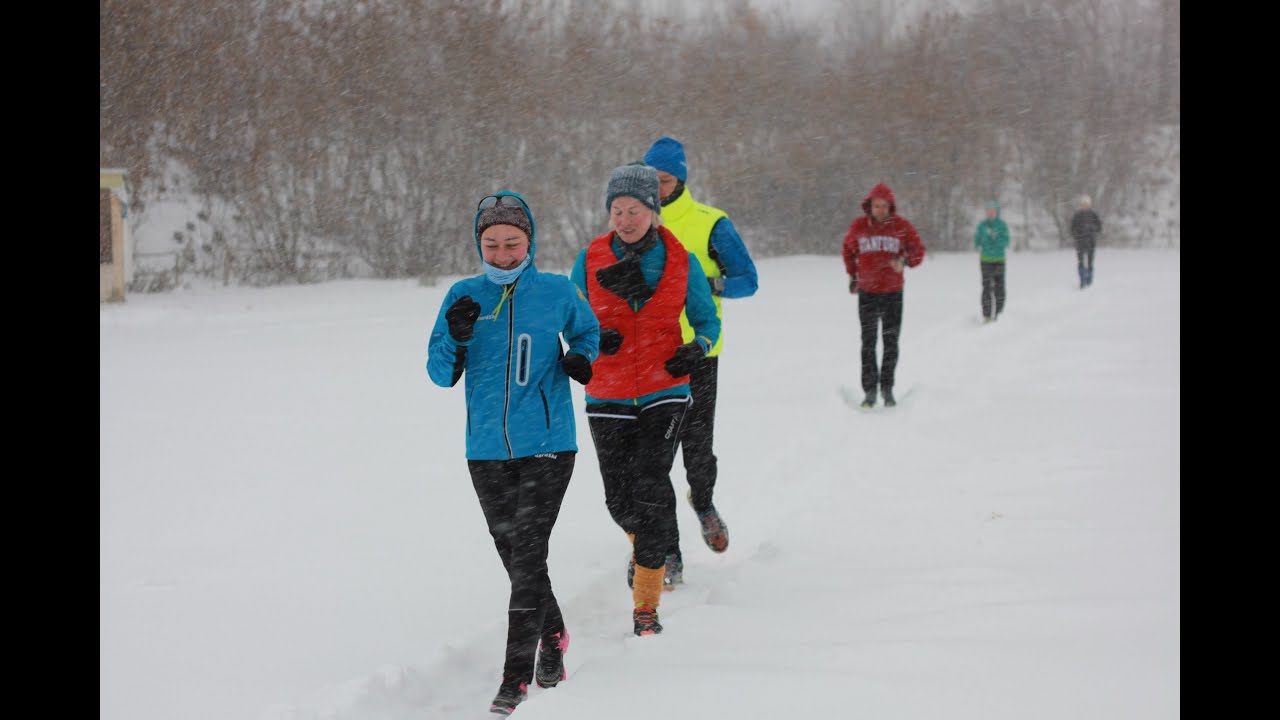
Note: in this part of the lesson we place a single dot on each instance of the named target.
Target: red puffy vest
(649, 337)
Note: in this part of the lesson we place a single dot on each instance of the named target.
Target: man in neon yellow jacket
(708, 234)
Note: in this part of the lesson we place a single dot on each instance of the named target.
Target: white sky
(288, 529)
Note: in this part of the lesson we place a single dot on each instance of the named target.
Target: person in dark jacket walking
(709, 234)
(1085, 228)
(638, 279)
(991, 239)
(502, 330)
(879, 244)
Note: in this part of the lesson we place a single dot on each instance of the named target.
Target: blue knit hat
(635, 180)
(667, 155)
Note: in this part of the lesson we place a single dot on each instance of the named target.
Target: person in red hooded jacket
(878, 246)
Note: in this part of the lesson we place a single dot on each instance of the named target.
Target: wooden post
(111, 246)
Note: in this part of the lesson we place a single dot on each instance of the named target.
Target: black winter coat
(1085, 226)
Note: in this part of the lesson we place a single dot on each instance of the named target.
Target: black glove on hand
(717, 285)
(625, 280)
(682, 362)
(610, 341)
(461, 316)
(578, 367)
(853, 285)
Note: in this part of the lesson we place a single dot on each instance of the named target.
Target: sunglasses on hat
(496, 200)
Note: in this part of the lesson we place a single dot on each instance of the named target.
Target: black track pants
(636, 446)
(873, 310)
(699, 430)
(992, 287)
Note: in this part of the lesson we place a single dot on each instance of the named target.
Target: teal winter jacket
(517, 394)
(992, 238)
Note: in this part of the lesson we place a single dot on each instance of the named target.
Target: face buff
(498, 276)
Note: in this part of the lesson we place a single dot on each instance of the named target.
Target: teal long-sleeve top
(991, 240)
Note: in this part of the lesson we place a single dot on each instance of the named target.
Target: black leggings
(992, 287)
(521, 499)
(636, 446)
(874, 308)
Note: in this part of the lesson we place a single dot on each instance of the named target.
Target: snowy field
(288, 529)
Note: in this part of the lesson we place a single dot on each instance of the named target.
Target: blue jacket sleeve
(581, 328)
(740, 271)
(700, 308)
(446, 357)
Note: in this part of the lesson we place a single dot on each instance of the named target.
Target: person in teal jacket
(991, 240)
(502, 330)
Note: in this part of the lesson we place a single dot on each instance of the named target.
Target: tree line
(364, 133)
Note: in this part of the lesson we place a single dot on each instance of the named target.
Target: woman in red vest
(638, 278)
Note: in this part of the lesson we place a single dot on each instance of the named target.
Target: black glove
(610, 341)
(625, 280)
(461, 316)
(682, 362)
(578, 367)
(717, 285)
(853, 285)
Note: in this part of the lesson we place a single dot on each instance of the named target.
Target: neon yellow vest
(691, 223)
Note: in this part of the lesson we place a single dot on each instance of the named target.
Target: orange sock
(647, 589)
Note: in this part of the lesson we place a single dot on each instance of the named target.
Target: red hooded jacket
(870, 247)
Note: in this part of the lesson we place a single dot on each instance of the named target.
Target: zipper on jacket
(506, 404)
(546, 411)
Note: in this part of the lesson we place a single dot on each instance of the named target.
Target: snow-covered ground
(288, 529)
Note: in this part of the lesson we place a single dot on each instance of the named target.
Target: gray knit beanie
(503, 215)
(637, 181)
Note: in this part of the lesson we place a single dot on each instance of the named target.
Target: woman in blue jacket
(502, 330)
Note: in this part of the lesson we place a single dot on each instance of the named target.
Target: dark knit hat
(503, 215)
(637, 181)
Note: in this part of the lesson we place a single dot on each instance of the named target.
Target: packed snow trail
(288, 527)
